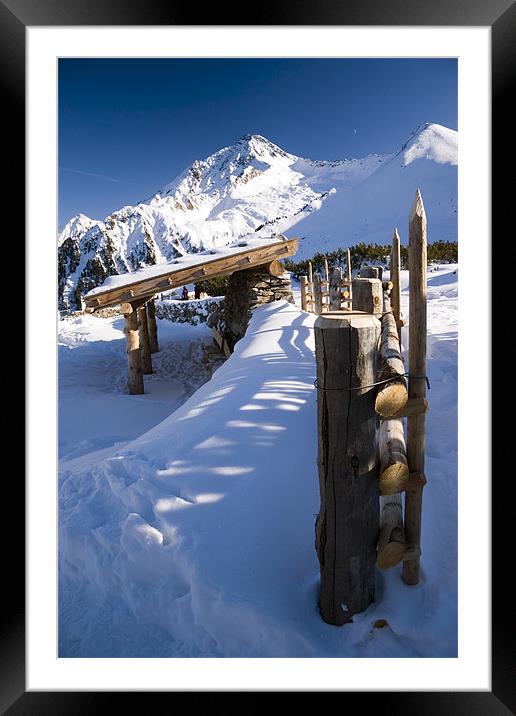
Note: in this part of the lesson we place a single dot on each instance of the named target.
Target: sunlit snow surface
(190, 531)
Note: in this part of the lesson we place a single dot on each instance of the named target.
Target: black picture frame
(500, 15)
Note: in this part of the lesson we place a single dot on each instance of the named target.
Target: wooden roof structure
(147, 282)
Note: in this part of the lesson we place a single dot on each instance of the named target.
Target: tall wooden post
(395, 280)
(347, 524)
(152, 326)
(144, 341)
(134, 365)
(318, 297)
(348, 265)
(326, 289)
(335, 289)
(311, 286)
(416, 383)
(304, 290)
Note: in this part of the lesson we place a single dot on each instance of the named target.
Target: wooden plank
(417, 384)
(172, 278)
(347, 523)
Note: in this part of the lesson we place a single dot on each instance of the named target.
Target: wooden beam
(347, 523)
(152, 326)
(172, 278)
(391, 397)
(413, 406)
(274, 268)
(417, 371)
(134, 366)
(394, 471)
(143, 333)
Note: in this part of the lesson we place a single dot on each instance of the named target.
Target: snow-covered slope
(255, 186)
(197, 537)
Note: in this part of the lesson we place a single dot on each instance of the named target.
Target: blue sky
(129, 126)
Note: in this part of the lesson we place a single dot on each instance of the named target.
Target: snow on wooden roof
(146, 282)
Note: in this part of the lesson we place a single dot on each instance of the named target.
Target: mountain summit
(255, 186)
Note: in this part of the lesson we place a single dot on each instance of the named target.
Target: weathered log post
(391, 541)
(347, 280)
(348, 266)
(367, 295)
(326, 286)
(395, 279)
(152, 326)
(303, 280)
(145, 349)
(392, 396)
(335, 289)
(318, 293)
(417, 381)
(347, 523)
(134, 365)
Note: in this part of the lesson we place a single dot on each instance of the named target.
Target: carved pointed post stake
(152, 326)
(304, 290)
(134, 366)
(335, 288)
(318, 293)
(417, 383)
(395, 280)
(144, 341)
(347, 524)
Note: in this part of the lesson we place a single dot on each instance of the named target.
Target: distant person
(197, 291)
(184, 293)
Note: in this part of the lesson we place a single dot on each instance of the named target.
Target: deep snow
(196, 538)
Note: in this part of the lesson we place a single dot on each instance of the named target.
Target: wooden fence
(365, 462)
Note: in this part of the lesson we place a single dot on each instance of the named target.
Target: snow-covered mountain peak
(76, 227)
(431, 141)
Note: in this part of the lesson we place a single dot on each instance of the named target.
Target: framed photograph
(165, 155)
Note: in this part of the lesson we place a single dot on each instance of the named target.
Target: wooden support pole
(311, 286)
(348, 265)
(417, 383)
(394, 472)
(335, 289)
(367, 295)
(395, 279)
(143, 333)
(391, 541)
(303, 280)
(318, 297)
(134, 365)
(347, 523)
(392, 396)
(152, 326)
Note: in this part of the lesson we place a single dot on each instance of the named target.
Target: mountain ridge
(250, 186)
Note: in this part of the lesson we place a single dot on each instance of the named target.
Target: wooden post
(326, 290)
(391, 541)
(311, 286)
(347, 524)
(348, 266)
(134, 366)
(335, 289)
(392, 396)
(145, 350)
(395, 280)
(417, 383)
(152, 326)
(318, 297)
(304, 289)
(367, 295)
